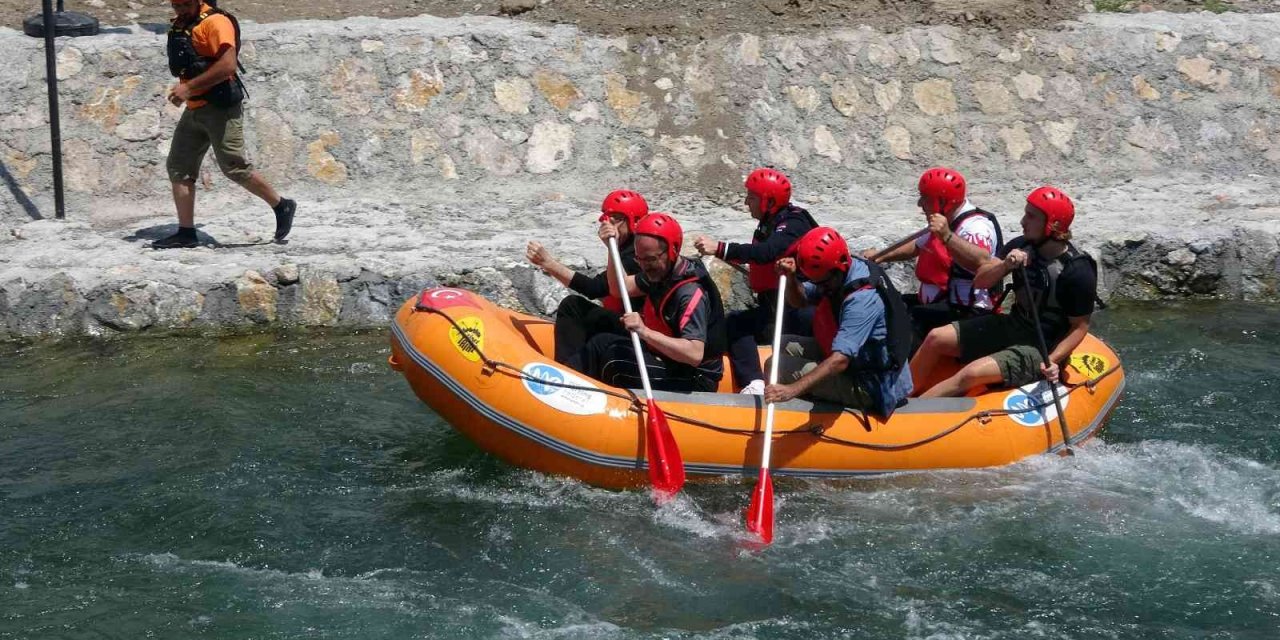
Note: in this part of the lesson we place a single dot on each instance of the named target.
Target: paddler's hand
(633, 322)
(785, 267)
(706, 246)
(1051, 372)
(606, 231)
(1016, 258)
(778, 393)
(537, 254)
(939, 227)
(870, 254)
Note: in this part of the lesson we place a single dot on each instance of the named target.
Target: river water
(291, 486)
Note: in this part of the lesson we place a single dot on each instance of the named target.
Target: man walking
(203, 48)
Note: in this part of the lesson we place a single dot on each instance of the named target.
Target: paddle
(1044, 357)
(899, 244)
(760, 511)
(666, 469)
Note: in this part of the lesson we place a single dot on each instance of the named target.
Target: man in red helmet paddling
(780, 225)
(681, 325)
(961, 237)
(858, 353)
(1002, 349)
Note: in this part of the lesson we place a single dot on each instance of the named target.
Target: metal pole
(60, 7)
(55, 132)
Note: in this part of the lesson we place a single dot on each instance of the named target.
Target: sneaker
(755, 388)
(177, 241)
(284, 218)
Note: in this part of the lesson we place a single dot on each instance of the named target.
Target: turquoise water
(292, 487)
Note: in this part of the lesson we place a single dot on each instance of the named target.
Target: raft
(490, 372)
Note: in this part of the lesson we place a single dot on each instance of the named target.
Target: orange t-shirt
(214, 34)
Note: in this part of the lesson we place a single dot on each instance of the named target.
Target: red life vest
(653, 315)
(762, 277)
(933, 263)
(612, 303)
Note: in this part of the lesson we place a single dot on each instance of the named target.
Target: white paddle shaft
(773, 369)
(621, 277)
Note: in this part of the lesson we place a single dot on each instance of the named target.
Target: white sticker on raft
(579, 402)
(1026, 398)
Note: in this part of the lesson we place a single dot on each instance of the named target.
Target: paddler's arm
(682, 350)
(1075, 335)
(539, 257)
(969, 255)
(835, 364)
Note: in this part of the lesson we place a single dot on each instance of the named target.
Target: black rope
(817, 431)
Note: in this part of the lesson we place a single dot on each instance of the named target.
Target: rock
(140, 125)
(487, 150)
(803, 97)
(899, 140)
(550, 146)
(882, 55)
(825, 145)
(557, 89)
(888, 94)
(590, 112)
(513, 95)
(664, 83)
(1213, 133)
(1029, 86)
(631, 107)
(1154, 136)
(1143, 89)
(781, 153)
(286, 274)
(354, 83)
(516, 7)
(1180, 258)
(1016, 141)
(70, 62)
(687, 150)
(942, 47)
(791, 55)
(415, 90)
(844, 97)
(1167, 41)
(321, 164)
(321, 300)
(749, 51)
(1200, 71)
(1059, 133)
(1067, 88)
(993, 98)
(934, 97)
(256, 298)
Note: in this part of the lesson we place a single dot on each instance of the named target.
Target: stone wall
(468, 116)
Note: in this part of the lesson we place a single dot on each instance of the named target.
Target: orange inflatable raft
(490, 373)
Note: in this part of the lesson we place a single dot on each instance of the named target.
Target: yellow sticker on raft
(470, 345)
(1091, 365)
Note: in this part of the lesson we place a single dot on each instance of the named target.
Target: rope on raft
(816, 430)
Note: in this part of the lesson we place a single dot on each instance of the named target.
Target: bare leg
(982, 371)
(184, 199)
(259, 187)
(942, 342)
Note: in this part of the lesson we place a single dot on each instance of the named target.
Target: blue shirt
(861, 337)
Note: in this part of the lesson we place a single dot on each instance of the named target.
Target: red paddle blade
(666, 469)
(760, 511)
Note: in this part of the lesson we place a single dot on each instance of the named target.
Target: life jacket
(826, 320)
(1043, 276)
(686, 273)
(186, 63)
(933, 263)
(762, 277)
(957, 273)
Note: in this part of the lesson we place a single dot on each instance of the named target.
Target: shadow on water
(18, 195)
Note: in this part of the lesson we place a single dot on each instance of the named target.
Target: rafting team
(850, 337)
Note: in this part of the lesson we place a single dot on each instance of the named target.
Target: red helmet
(820, 251)
(773, 189)
(665, 228)
(1058, 211)
(624, 203)
(943, 186)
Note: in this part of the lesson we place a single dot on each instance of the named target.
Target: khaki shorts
(1008, 340)
(202, 128)
(800, 355)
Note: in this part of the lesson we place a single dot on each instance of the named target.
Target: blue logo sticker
(1032, 404)
(544, 373)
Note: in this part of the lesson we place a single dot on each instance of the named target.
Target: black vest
(686, 271)
(186, 63)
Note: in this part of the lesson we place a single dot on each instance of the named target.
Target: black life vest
(958, 272)
(688, 272)
(1043, 276)
(762, 277)
(186, 63)
(898, 333)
